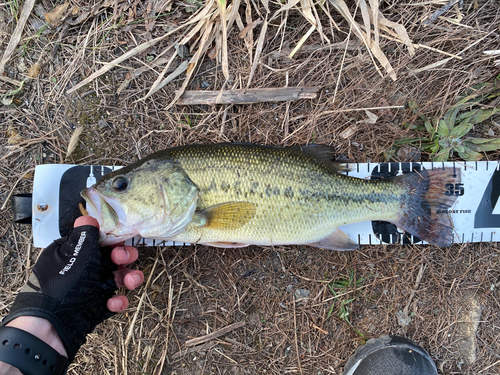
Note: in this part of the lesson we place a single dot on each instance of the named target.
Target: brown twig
(214, 335)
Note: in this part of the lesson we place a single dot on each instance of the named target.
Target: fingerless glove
(69, 286)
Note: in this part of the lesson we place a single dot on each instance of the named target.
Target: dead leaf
(409, 153)
(34, 70)
(14, 136)
(55, 17)
(349, 131)
(385, 113)
(372, 118)
(212, 53)
(81, 18)
(7, 100)
(252, 26)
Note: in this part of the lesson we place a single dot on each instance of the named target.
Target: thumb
(86, 220)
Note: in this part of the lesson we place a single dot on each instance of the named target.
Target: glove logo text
(78, 247)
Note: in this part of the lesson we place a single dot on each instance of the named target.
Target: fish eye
(119, 184)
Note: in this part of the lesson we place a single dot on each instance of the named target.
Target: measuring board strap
(475, 214)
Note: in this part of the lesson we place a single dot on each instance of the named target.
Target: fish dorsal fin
(230, 215)
(325, 154)
(337, 240)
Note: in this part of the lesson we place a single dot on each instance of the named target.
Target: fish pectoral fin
(336, 240)
(231, 215)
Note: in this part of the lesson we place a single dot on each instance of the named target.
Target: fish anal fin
(336, 240)
(226, 244)
(230, 215)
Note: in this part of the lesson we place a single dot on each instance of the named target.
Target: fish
(235, 195)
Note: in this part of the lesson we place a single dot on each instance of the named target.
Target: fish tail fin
(425, 210)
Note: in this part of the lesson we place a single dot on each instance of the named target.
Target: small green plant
(188, 121)
(447, 135)
(13, 7)
(339, 289)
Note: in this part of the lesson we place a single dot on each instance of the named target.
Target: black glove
(70, 285)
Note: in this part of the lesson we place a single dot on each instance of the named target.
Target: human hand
(73, 283)
(124, 277)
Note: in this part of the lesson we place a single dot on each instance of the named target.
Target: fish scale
(318, 200)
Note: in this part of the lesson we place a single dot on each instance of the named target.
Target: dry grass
(193, 291)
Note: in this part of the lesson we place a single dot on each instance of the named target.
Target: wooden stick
(16, 35)
(12, 81)
(247, 96)
(214, 335)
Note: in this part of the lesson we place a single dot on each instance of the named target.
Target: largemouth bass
(235, 195)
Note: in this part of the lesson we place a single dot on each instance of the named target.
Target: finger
(86, 220)
(117, 304)
(123, 255)
(128, 278)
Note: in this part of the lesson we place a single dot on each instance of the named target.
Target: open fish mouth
(93, 201)
(108, 213)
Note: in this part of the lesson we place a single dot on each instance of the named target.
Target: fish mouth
(107, 212)
(93, 200)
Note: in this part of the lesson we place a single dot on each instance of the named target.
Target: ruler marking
(454, 171)
(487, 164)
(359, 239)
(357, 167)
(476, 165)
(389, 167)
(442, 164)
(472, 237)
(481, 236)
(154, 242)
(432, 165)
(370, 239)
(368, 167)
(463, 237)
(491, 237)
(465, 166)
